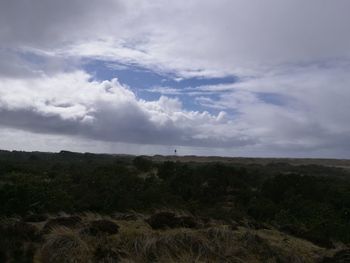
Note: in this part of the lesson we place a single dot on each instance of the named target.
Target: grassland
(71, 207)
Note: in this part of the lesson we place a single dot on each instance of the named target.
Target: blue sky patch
(140, 80)
(137, 77)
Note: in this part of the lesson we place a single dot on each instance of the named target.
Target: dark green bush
(312, 199)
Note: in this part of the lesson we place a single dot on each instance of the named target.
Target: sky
(228, 77)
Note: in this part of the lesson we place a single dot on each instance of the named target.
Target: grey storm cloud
(129, 127)
(107, 111)
(235, 37)
(296, 50)
(47, 23)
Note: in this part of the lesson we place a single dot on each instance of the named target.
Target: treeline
(312, 201)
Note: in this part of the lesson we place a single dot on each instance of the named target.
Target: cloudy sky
(225, 77)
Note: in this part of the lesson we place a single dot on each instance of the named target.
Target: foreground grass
(129, 238)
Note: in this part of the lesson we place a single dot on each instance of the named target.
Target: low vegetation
(71, 207)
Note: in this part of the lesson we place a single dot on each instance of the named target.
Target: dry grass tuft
(64, 246)
(171, 245)
(63, 221)
(137, 242)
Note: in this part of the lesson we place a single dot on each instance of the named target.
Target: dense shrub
(315, 199)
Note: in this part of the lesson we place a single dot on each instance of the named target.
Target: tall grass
(64, 245)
